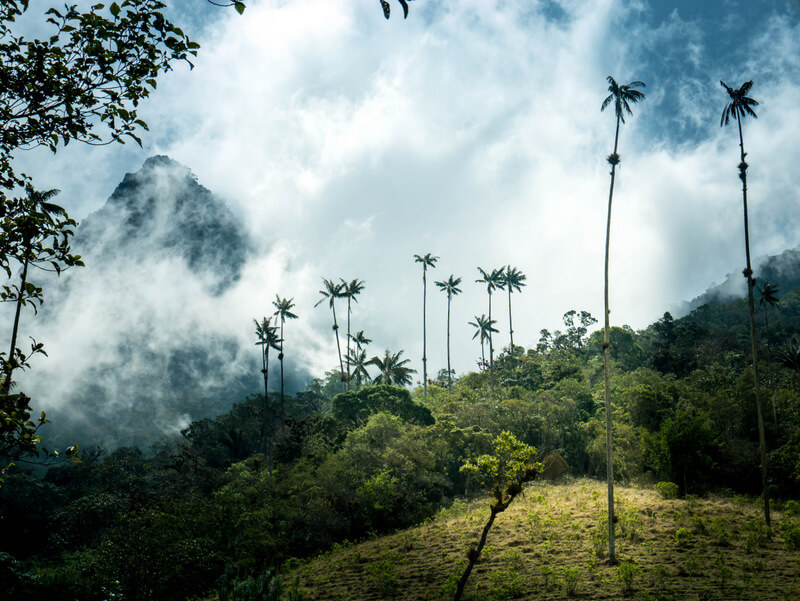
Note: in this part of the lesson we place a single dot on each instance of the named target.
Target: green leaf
(114, 8)
(239, 6)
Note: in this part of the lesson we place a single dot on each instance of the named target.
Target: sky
(347, 143)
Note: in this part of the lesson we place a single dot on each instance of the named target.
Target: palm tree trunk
(769, 367)
(510, 323)
(606, 369)
(449, 377)
(266, 417)
(491, 349)
(748, 273)
(348, 343)
(283, 415)
(9, 367)
(424, 335)
(338, 346)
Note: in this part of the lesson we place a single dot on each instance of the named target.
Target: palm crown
(352, 288)
(267, 334)
(740, 103)
(331, 292)
(769, 294)
(493, 279)
(513, 279)
(450, 286)
(483, 326)
(623, 96)
(283, 308)
(360, 339)
(392, 369)
(427, 260)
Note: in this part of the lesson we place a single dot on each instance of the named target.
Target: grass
(545, 547)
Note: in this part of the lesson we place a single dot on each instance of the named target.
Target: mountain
(155, 330)
(782, 269)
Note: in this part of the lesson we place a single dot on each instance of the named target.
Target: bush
(626, 574)
(683, 537)
(667, 490)
(263, 587)
(791, 534)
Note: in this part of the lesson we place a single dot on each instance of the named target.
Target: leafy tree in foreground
(512, 278)
(283, 309)
(740, 105)
(427, 260)
(769, 298)
(622, 97)
(450, 287)
(392, 369)
(267, 337)
(502, 474)
(493, 280)
(331, 292)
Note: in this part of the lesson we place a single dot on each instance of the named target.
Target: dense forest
(202, 512)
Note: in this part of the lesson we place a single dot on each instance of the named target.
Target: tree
(350, 291)
(502, 474)
(283, 309)
(493, 281)
(91, 73)
(427, 260)
(769, 298)
(622, 96)
(331, 292)
(483, 327)
(358, 358)
(266, 337)
(450, 287)
(740, 106)
(392, 369)
(512, 278)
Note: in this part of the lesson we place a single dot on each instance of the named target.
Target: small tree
(502, 474)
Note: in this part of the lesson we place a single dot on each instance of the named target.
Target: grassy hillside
(546, 545)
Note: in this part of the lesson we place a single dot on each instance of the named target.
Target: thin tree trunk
(338, 346)
(266, 419)
(510, 324)
(424, 335)
(348, 343)
(769, 367)
(283, 410)
(449, 378)
(15, 328)
(474, 555)
(748, 273)
(491, 349)
(606, 369)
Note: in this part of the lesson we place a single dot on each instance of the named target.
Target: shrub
(626, 574)
(791, 534)
(683, 537)
(265, 586)
(383, 574)
(667, 490)
(571, 578)
(756, 534)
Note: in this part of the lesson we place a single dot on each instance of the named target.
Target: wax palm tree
(350, 291)
(360, 340)
(740, 105)
(450, 287)
(494, 281)
(331, 292)
(266, 337)
(392, 370)
(427, 260)
(357, 358)
(283, 309)
(769, 298)
(483, 327)
(622, 97)
(513, 279)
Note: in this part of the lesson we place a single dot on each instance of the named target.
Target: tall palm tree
(37, 208)
(427, 260)
(392, 369)
(740, 105)
(266, 337)
(622, 97)
(350, 291)
(493, 281)
(769, 298)
(513, 279)
(331, 292)
(358, 357)
(450, 287)
(360, 340)
(483, 327)
(283, 309)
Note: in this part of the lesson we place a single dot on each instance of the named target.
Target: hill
(545, 546)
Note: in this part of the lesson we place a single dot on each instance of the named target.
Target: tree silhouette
(392, 370)
(427, 260)
(483, 327)
(387, 9)
(357, 358)
(331, 292)
(622, 96)
(513, 279)
(493, 281)
(350, 291)
(740, 106)
(266, 337)
(450, 287)
(769, 298)
(283, 309)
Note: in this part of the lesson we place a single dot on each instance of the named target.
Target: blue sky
(472, 130)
